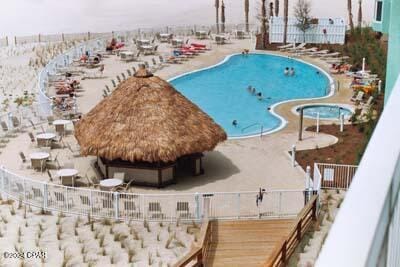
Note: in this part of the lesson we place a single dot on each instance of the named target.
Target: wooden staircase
(245, 243)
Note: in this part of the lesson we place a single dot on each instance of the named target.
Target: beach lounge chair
(129, 72)
(319, 53)
(358, 98)
(50, 119)
(307, 50)
(118, 79)
(296, 48)
(287, 46)
(369, 102)
(335, 54)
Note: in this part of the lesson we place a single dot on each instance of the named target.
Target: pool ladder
(254, 124)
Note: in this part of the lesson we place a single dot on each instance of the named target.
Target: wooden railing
(198, 254)
(286, 247)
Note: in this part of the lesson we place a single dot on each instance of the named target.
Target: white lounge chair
(358, 97)
(335, 54)
(284, 47)
(319, 53)
(307, 51)
(297, 48)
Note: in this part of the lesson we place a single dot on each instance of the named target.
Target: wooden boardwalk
(245, 243)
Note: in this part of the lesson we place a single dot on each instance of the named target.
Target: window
(378, 11)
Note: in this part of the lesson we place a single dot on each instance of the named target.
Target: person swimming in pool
(249, 88)
(234, 123)
(253, 91)
(259, 96)
(291, 72)
(286, 71)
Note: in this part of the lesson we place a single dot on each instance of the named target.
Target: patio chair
(182, 209)
(50, 119)
(119, 176)
(85, 201)
(53, 163)
(6, 130)
(154, 211)
(61, 199)
(15, 122)
(75, 152)
(108, 202)
(32, 137)
(57, 143)
(69, 165)
(130, 209)
(22, 156)
(32, 124)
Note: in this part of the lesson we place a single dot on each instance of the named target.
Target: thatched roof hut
(146, 120)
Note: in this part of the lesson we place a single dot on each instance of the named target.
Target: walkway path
(260, 237)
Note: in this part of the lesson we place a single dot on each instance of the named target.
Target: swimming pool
(326, 111)
(221, 90)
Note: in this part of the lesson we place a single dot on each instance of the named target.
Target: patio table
(109, 184)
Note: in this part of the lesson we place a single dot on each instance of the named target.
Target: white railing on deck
(366, 231)
(129, 206)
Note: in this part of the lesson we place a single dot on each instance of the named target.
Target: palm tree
(263, 23)
(359, 19)
(246, 14)
(350, 15)
(216, 14)
(223, 16)
(285, 19)
(271, 9)
(276, 8)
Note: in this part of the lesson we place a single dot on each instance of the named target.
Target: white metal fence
(184, 30)
(326, 31)
(335, 176)
(129, 206)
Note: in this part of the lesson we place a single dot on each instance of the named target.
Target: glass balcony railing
(366, 231)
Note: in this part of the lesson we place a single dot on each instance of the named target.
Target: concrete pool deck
(236, 165)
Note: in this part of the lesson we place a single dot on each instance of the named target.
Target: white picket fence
(152, 207)
(325, 31)
(334, 176)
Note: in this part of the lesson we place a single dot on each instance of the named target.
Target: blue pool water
(326, 111)
(222, 92)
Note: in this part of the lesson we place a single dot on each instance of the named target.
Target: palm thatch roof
(146, 119)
